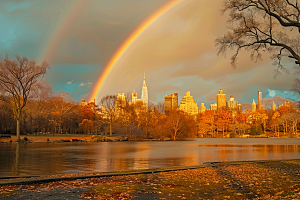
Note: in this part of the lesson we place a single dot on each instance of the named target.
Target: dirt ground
(269, 180)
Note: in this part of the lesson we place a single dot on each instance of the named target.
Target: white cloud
(272, 93)
(82, 84)
(70, 82)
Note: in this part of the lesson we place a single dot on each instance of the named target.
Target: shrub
(256, 130)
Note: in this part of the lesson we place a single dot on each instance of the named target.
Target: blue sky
(177, 53)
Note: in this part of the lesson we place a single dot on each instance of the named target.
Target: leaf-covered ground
(270, 180)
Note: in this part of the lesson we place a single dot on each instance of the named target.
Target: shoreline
(59, 177)
(91, 138)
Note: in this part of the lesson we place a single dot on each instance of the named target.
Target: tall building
(188, 104)
(202, 108)
(259, 100)
(133, 97)
(221, 100)
(171, 102)
(232, 105)
(213, 107)
(144, 95)
(273, 106)
(83, 103)
(240, 108)
(253, 106)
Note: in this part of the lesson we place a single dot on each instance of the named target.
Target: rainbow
(61, 28)
(127, 44)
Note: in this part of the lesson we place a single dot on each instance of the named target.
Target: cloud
(70, 82)
(81, 85)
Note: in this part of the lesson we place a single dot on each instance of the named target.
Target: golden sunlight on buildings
(171, 102)
(221, 100)
(188, 104)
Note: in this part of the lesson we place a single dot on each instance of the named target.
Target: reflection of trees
(15, 167)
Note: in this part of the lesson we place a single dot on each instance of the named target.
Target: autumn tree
(37, 112)
(109, 102)
(61, 106)
(240, 123)
(274, 122)
(17, 77)
(283, 109)
(262, 25)
(224, 119)
(207, 119)
(176, 121)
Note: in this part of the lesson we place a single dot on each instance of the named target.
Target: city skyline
(187, 103)
(176, 49)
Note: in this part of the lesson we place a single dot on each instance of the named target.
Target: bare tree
(16, 80)
(109, 102)
(296, 86)
(262, 25)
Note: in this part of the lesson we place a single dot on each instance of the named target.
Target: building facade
(259, 100)
(171, 102)
(253, 106)
(188, 104)
(273, 106)
(232, 105)
(202, 108)
(221, 100)
(213, 107)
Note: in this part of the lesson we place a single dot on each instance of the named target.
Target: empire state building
(144, 96)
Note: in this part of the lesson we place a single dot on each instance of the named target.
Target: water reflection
(60, 158)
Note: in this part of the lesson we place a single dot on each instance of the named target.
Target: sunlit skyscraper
(144, 96)
(188, 104)
(259, 100)
(221, 100)
(171, 102)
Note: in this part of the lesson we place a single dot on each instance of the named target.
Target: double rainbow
(127, 44)
(71, 15)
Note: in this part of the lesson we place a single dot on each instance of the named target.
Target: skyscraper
(188, 104)
(202, 108)
(232, 105)
(171, 102)
(134, 97)
(273, 106)
(253, 106)
(259, 100)
(144, 95)
(221, 100)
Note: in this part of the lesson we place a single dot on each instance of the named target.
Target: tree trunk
(174, 137)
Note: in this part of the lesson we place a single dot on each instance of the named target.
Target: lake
(28, 159)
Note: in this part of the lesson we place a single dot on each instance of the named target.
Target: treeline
(51, 113)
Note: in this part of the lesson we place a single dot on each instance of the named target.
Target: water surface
(89, 157)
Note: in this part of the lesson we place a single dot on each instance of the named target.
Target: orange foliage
(283, 109)
(208, 117)
(241, 118)
(88, 111)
